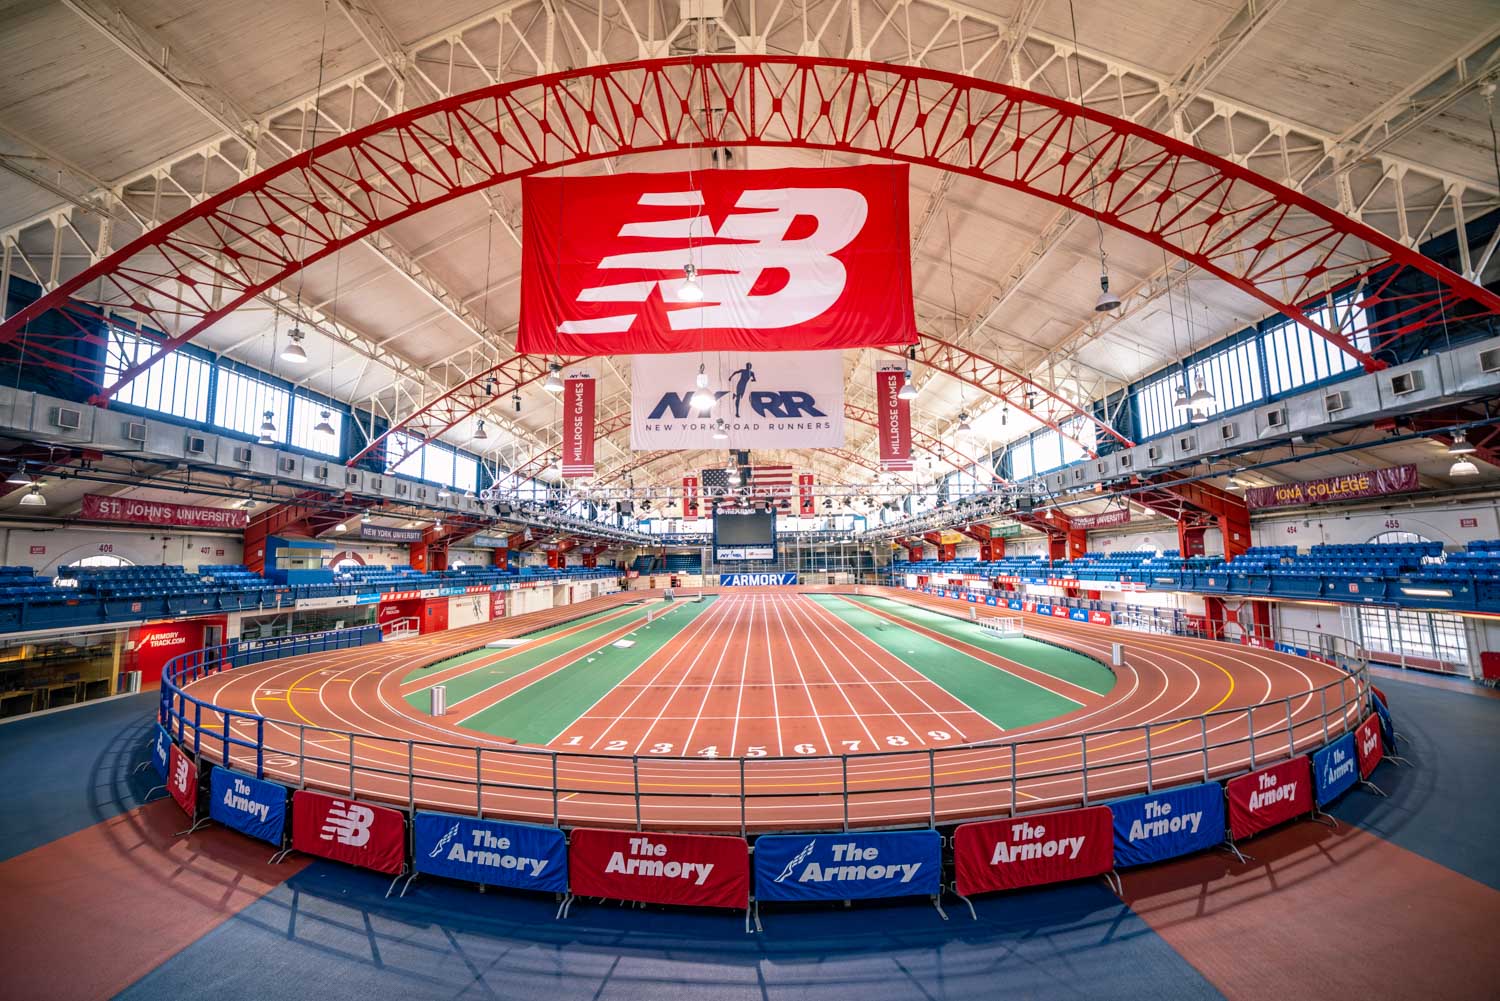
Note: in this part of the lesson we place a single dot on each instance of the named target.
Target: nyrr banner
(784, 260)
(1164, 825)
(698, 870)
(523, 856)
(1367, 744)
(894, 415)
(578, 425)
(785, 399)
(1335, 768)
(1269, 797)
(373, 837)
(847, 866)
(1028, 851)
(249, 805)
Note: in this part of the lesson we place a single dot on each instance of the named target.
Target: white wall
(61, 546)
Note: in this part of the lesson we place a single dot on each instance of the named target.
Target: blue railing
(186, 668)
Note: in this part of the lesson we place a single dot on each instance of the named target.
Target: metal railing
(886, 789)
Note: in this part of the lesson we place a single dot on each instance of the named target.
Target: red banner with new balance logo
(736, 260)
(699, 870)
(372, 837)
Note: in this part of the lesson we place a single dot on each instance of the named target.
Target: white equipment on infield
(1007, 627)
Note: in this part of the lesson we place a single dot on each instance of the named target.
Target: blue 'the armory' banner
(847, 866)
(757, 579)
(1335, 768)
(1163, 825)
(249, 805)
(161, 751)
(523, 856)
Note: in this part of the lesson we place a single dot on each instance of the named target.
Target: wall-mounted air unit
(1153, 453)
(1275, 418)
(67, 418)
(243, 454)
(1228, 431)
(1335, 402)
(136, 431)
(196, 444)
(1489, 361)
(1406, 383)
(321, 472)
(401, 489)
(286, 464)
(351, 477)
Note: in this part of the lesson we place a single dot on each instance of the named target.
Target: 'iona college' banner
(784, 260)
(1331, 489)
(778, 399)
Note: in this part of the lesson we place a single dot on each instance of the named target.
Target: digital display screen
(744, 535)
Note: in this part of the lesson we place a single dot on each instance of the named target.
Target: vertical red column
(1260, 612)
(1190, 539)
(500, 558)
(555, 559)
(1213, 615)
(417, 556)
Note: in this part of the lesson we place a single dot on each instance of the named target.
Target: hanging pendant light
(554, 383)
(908, 389)
(1107, 300)
(268, 428)
(293, 352)
(1461, 446)
(1463, 467)
(690, 290)
(19, 477)
(480, 434)
(963, 422)
(721, 430)
(702, 400)
(323, 426)
(34, 498)
(341, 527)
(1202, 396)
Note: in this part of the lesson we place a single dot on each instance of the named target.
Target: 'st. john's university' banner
(780, 399)
(578, 425)
(785, 260)
(895, 421)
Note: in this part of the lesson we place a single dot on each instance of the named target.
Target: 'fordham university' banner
(786, 260)
(895, 421)
(805, 504)
(699, 870)
(778, 399)
(1028, 851)
(578, 425)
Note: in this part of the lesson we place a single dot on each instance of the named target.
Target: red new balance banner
(805, 505)
(699, 870)
(782, 260)
(895, 421)
(1027, 851)
(372, 837)
(578, 425)
(182, 780)
(1269, 797)
(690, 496)
(1367, 744)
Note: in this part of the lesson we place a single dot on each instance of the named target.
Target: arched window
(102, 560)
(1398, 539)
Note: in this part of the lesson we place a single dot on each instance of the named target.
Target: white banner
(775, 399)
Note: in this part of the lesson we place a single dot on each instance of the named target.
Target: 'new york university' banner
(522, 856)
(847, 866)
(1166, 824)
(249, 805)
(1335, 768)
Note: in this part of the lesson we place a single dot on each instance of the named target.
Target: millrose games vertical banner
(373, 837)
(1029, 851)
(697, 870)
(690, 496)
(805, 504)
(1367, 743)
(493, 852)
(848, 866)
(249, 805)
(182, 781)
(1269, 797)
(1335, 769)
(1163, 825)
(578, 424)
(894, 415)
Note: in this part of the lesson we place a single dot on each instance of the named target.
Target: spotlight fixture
(442, 493)
(964, 427)
(247, 503)
(19, 477)
(364, 518)
(437, 525)
(1182, 402)
(479, 432)
(1461, 446)
(1201, 396)
(702, 400)
(323, 426)
(908, 389)
(1463, 467)
(341, 527)
(554, 383)
(35, 498)
(268, 429)
(293, 351)
(690, 290)
(1107, 300)
(721, 430)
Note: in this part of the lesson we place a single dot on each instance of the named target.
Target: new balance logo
(348, 824)
(794, 279)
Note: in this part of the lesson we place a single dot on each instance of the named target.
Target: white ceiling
(80, 115)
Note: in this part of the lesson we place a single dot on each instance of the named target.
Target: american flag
(775, 483)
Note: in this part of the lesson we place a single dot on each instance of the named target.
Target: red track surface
(771, 669)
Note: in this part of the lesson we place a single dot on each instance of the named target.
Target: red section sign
(805, 505)
(699, 870)
(97, 508)
(722, 260)
(372, 837)
(1331, 489)
(182, 780)
(578, 426)
(1269, 797)
(1367, 744)
(895, 421)
(1028, 851)
(1119, 516)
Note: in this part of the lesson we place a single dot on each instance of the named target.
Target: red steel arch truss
(1267, 240)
